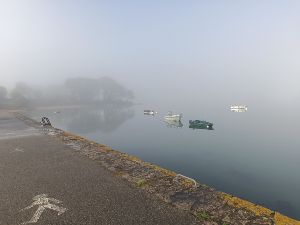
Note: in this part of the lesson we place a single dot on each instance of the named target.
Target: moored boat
(200, 124)
(149, 112)
(238, 108)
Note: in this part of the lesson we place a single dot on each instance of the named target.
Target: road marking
(19, 134)
(43, 202)
(18, 150)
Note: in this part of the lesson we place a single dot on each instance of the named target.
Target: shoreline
(207, 204)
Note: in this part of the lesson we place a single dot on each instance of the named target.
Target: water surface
(254, 155)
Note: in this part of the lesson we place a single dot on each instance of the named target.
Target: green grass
(203, 216)
(141, 183)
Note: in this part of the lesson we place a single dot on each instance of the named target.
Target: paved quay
(44, 181)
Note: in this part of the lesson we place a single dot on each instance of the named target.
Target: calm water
(253, 155)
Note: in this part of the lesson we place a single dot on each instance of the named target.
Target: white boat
(238, 108)
(174, 117)
(149, 112)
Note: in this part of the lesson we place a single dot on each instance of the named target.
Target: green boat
(200, 124)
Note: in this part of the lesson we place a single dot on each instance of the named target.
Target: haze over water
(191, 57)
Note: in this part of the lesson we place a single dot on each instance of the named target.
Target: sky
(229, 50)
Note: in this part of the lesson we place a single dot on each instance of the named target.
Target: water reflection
(88, 120)
(238, 110)
(173, 123)
(201, 127)
(104, 104)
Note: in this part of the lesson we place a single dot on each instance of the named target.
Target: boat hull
(149, 112)
(238, 108)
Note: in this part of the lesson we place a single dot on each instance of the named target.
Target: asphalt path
(43, 181)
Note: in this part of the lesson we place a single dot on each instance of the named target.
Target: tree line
(80, 91)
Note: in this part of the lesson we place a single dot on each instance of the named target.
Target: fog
(74, 92)
(165, 52)
(92, 67)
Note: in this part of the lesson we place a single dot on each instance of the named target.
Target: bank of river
(207, 204)
(253, 155)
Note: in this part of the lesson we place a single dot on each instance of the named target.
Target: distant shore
(59, 107)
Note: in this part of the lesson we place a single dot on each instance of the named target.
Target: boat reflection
(200, 126)
(238, 110)
(86, 120)
(173, 123)
(173, 117)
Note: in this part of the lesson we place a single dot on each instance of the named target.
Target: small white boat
(238, 108)
(149, 112)
(174, 117)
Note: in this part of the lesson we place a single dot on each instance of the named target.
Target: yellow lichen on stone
(240, 203)
(284, 220)
(106, 149)
(279, 219)
(119, 173)
(141, 182)
(188, 183)
(65, 133)
(164, 171)
(73, 136)
(159, 169)
(148, 164)
(132, 158)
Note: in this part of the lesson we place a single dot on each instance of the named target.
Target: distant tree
(87, 90)
(18, 99)
(3, 93)
(82, 89)
(112, 90)
(23, 89)
(21, 94)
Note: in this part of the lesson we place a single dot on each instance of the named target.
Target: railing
(191, 179)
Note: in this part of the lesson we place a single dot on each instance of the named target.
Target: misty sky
(249, 49)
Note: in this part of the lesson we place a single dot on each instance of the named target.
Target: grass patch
(141, 183)
(203, 216)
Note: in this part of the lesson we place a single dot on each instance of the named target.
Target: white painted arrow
(43, 202)
(19, 150)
